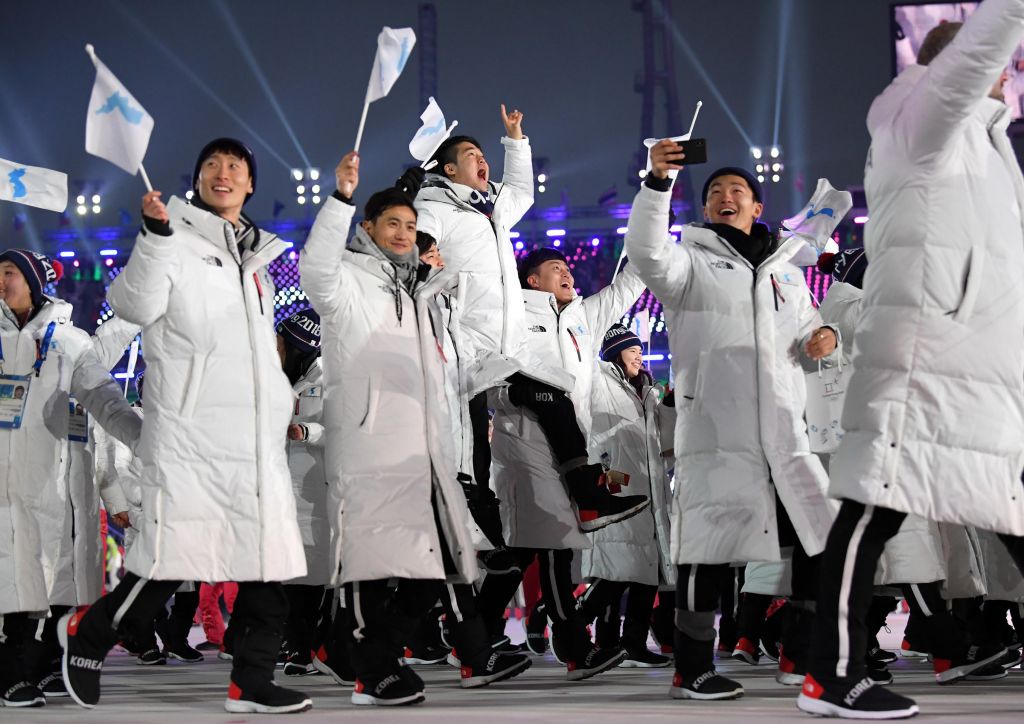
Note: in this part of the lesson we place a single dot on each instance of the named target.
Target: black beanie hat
(534, 259)
(752, 182)
(38, 270)
(225, 145)
(617, 339)
(847, 266)
(301, 330)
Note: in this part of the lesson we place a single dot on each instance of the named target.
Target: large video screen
(911, 23)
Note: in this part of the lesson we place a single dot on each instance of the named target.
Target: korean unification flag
(117, 127)
(33, 186)
(431, 133)
(393, 49)
(816, 221)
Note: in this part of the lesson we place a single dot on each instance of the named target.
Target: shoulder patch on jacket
(538, 328)
(722, 264)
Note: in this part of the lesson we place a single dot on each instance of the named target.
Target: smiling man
(739, 316)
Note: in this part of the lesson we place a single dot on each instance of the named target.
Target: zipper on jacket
(579, 357)
(256, 403)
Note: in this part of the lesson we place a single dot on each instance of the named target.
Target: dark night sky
(569, 65)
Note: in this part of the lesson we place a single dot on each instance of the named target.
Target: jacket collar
(312, 378)
(545, 302)
(791, 249)
(220, 232)
(439, 188)
(53, 310)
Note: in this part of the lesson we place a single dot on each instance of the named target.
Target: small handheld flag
(33, 186)
(393, 49)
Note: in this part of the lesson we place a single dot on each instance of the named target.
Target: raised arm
(663, 265)
(516, 195)
(960, 77)
(611, 303)
(140, 293)
(321, 272)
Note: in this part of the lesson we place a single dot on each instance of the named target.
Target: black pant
(847, 576)
(381, 619)
(21, 649)
(946, 637)
(556, 591)
(174, 627)
(257, 621)
(602, 601)
(301, 629)
(556, 416)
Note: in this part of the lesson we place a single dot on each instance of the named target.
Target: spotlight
(189, 194)
(755, 152)
(642, 173)
(775, 152)
(541, 189)
(301, 200)
(760, 179)
(96, 208)
(776, 167)
(95, 198)
(759, 168)
(82, 210)
(775, 178)
(300, 189)
(315, 188)
(316, 199)
(80, 200)
(314, 174)
(542, 177)
(296, 174)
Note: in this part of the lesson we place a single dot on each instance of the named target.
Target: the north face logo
(538, 328)
(722, 264)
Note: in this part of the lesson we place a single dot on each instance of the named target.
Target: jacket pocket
(194, 384)
(972, 285)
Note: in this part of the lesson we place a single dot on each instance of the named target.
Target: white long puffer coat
(81, 572)
(740, 389)
(309, 477)
(535, 507)
(480, 266)
(935, 410)
(923, 551)
(624, 436)
(217, 495)
(33, 490)
(388, 441)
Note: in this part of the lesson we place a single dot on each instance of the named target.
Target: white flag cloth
(117, 127)
(431, 133)
(819, 218)
(393, 49)
(33, 186)
(641, 325)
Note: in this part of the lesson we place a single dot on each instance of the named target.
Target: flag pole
(428, 164)
(145, 177)
(362, 120)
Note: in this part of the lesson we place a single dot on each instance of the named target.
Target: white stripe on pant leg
(590, 590)
(843, 618)
(554, 587)
(691, 589)
(132, 595)
(39, 630)
(3, 636)
(357, 612)
(920, 600)
(455, 602)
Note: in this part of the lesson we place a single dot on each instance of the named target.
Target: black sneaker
(976, 657)
(503, 645)
(769, 650)
(644, 659)
(610, 509)
(182, 652)
(790, 672)
(267, 699)
(391, 690)
(426, 655)
(746, 652)
(858, 700)
(23, 694)
(208, 646)
(498, 561)
(560, 652)
(987, 673)
(152, 657)
(335, 665)
(594, 662)
(881, 656)
(880, 674)
(52, 686)
(298, 665)
(1011, 658)
(81, 664)
(495, 667)
(706, 687)
(536, 626)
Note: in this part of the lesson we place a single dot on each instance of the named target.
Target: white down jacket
(309, 477)
(80, 574)
(33, 492)
(739, 386)
(923, 551)
(388, 437)
(535, 507)
(934, 421)
(217, 496)
(624, 436)
(480, 265)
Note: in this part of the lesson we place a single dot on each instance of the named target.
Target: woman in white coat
(217, 495)
(298, 344)
(397, 511)
(634, 555)
(740, 317)
(44, 360)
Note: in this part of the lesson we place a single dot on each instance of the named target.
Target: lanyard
(41, 349)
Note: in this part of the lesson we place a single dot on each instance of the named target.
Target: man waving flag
(33, 186)
(117, 127)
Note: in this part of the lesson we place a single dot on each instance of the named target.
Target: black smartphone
(696, 150)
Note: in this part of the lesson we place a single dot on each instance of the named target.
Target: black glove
(411, 180)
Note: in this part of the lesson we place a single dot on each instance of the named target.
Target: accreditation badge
(78, 421)
(13, 398)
